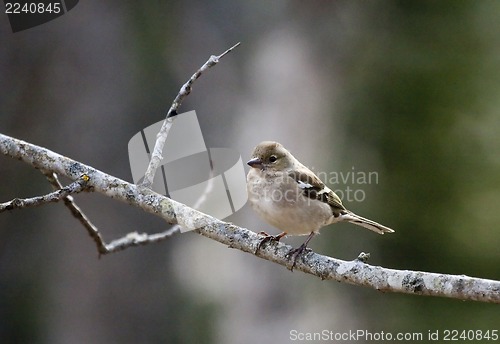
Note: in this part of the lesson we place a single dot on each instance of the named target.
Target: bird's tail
(369, 224)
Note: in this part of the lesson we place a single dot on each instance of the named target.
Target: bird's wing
(314, 188)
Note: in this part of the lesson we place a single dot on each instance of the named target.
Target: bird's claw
(295, 253)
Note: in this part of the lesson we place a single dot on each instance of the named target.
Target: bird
(290, 197)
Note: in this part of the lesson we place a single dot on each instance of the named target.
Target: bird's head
(270, 155)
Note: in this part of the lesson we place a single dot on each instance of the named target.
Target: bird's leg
(267, 238)
(295, 253)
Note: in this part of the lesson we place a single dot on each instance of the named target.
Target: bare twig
(185, 90)
(55, 196)
(137, 239)
(355, 272)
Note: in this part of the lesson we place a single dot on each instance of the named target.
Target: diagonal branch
(78, 213)
(355, 272)
(172, 112)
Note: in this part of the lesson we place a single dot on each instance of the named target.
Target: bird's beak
(255, 163)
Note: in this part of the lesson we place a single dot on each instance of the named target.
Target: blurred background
(406, 89)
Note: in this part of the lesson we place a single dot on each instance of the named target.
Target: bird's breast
(280, 202)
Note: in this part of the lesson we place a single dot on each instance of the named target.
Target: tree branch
(185, 90)
(355, 272)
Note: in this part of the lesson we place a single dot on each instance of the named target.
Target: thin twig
(55, 196)
(185, 90)
(137, 239)
(78, 213)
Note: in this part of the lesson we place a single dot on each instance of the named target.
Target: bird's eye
(273, 158)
